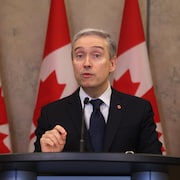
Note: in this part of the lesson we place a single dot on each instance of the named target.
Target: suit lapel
(114, 119)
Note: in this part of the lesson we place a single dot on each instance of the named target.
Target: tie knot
(96, 103)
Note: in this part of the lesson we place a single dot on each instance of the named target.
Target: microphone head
(86, 100)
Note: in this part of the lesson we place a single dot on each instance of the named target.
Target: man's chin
(87, 86)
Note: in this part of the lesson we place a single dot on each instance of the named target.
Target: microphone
(86, 101)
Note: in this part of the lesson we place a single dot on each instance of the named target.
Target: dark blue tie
(97, 125)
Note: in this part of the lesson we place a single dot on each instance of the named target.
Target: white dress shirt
(104, 108)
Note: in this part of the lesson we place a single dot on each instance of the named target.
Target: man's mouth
(86, 75)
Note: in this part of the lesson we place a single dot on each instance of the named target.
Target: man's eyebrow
(77, 48)
(99, 47)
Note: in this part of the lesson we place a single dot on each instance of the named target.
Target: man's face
(92, 64)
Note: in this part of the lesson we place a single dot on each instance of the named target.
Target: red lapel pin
(119, 106)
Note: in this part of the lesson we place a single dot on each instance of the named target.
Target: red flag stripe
(131, 18)
(57, 32)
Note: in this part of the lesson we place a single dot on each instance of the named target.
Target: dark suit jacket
(130, 128)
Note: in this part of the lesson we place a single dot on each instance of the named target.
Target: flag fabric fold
(56, 74)
(133, 74)
(5, 142)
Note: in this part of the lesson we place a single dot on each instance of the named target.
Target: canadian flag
(133, 75)
(5, 142)
(56, 73)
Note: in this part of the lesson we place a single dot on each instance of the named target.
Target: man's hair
(100, 33)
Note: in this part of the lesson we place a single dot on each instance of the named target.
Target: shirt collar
(105, 97)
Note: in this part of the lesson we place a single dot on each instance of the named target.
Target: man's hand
(53, 140)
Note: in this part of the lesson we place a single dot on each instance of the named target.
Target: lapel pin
(119, 106)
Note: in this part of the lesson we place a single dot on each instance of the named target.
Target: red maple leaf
(3, 147)
(49, 91)
(3, 114)
(3, 120)
(125, 84)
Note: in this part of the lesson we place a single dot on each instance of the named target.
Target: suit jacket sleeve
(148, 136)
(65, 112)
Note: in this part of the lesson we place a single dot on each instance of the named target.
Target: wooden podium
(39, 166)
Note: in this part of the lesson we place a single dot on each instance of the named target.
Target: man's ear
(113, 63)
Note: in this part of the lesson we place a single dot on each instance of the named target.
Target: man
(128, 120)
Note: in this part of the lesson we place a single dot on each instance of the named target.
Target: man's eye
(79, 56)
(96, 55)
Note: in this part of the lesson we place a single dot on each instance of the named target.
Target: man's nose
(87, 61)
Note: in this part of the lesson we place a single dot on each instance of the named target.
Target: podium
(112, 166)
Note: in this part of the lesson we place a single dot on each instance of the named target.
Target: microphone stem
(82, 132)
(86, 101)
